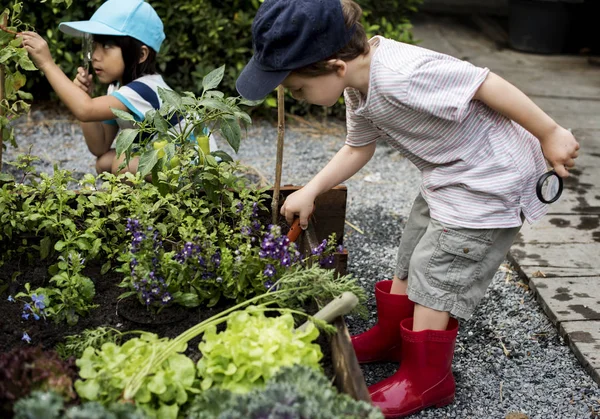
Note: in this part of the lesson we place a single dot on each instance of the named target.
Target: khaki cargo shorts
(448, 267)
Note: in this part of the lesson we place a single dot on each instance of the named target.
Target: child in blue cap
(127, 35)
(478, 141)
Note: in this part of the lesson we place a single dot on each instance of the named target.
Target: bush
(201, 36)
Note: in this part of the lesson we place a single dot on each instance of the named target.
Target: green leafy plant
(14, 59)
(253, 348)
(296, 391)
(74, 345)
(181, 124)
(49, 405)
(26, 369)
(104, 374)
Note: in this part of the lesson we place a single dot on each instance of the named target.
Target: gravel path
(509, 357)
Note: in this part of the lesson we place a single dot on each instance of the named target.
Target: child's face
(322, 90)
(108, 63)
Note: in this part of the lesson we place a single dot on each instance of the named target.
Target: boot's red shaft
(382, 342)
(424, 378)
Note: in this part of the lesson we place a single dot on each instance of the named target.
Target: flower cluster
(144, 266)
(35, 309)
(199, 260)
(278, 250)
(324, 253)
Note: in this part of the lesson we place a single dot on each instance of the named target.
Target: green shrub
(201, 35)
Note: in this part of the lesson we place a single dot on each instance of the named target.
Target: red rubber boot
(424, 378)
(382, 342)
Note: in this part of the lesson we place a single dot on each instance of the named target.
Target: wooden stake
(2, 75)
(279, 163)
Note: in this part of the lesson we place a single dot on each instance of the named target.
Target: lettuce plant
(105, 373)
(252, 349)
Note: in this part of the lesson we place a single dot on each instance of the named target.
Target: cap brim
(254, 83)
(87, 26)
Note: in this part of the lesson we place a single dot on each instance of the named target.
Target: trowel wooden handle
(339, 306)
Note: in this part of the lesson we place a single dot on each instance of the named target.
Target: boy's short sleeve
(360, 131)
(444, 87)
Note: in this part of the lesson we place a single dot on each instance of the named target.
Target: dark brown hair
(357, 46)
(131, 50)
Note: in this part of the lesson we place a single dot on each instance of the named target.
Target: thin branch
(5, 29)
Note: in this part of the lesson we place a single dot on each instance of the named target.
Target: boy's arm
(79, 102)
(558, 145)
(342, 166)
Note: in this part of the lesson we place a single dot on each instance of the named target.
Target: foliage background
(201, 35)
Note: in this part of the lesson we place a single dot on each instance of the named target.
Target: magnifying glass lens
(550, 188)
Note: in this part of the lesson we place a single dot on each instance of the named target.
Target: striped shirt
(479, 169)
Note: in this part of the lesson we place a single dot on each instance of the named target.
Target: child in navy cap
(127, 35)
(478, 141)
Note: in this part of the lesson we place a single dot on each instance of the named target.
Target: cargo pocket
(456, 262)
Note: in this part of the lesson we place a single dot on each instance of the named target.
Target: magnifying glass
(549, 187)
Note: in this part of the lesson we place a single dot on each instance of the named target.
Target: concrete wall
(495, 7)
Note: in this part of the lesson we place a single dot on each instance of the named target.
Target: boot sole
(437, 405)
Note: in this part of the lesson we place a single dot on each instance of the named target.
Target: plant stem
(279, 162)
(2, 91)
(5, 29)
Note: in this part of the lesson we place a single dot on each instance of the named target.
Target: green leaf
(125, 139)
(223, 155)
(87, 389)
(247, 102)
(126, 116)
(26, 64)
(232, 132)
(170, 97)
(59, 245)
(147, 162)
(45, 244)
(105, 268)
(213, 78)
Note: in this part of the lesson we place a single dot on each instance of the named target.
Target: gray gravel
(509, 357)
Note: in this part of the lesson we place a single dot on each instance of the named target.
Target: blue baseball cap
(134, 18)
(288, 35)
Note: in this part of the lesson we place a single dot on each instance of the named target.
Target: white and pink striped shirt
(479, 169)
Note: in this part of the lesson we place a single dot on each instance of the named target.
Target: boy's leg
(382, 342)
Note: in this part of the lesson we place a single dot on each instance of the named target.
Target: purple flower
(25, 316)
(269, 270)
(166, 298)
(26, 337)
(239, 207)
(11, 299)
(38, 301)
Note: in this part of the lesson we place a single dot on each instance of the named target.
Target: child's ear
(339, 66)
(143, 54)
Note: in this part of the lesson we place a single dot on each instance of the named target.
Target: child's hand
(560, 149)
(37, 48)
(83, 80)
(299, 203)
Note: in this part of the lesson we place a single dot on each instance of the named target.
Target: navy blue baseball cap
(288, 35)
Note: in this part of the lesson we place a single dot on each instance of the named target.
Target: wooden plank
(584, 341)
(568, 299)
(348, 375)
(552, 260)
(561, 228)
